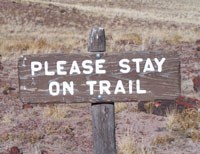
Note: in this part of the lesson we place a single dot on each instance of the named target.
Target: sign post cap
(97, 40)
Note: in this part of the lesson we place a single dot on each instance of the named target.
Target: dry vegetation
(186, 123)
(49, 26)
(128, 145)
(130, 25)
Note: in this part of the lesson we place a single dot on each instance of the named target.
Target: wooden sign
(99, 77)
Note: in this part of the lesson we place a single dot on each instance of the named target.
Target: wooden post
(103, 114)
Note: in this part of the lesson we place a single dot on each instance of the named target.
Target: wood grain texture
(160, 85)
(103, 113)
(103, 117)
(97, 40)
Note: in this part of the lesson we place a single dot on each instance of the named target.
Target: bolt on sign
(99, 77)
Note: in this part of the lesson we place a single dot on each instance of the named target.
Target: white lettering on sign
(35, 66)
(130, 87)
(69, 87)
(60, 67)
(119, 88)
(138, 90)
(91, 86)
(63, 68)
(104, 87)
(159, 63)
(87, 65)
(74, 68)
(99, 66)
(137, 63)
(54, 88)
(148, 65)
(125, 68)
(46, 68)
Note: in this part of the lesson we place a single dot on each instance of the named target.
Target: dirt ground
(50, 26)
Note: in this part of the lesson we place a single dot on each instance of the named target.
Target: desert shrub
(131, 38)
(41, 43)
(4, 137)
(55, 112)
(184, 124)
(175, 39)
(164, 139)
(194, 134)
(128, 145)
(182, 121)
(120, 107)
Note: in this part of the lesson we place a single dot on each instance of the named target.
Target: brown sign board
(99, 77)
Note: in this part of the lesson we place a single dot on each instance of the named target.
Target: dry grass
(130, 38)
(163, 139)
(180, 124)
(51, 128)
(4, 137)
(128, 145)
(31, 137)
(7, 119)
(186, 123)
(25, 44)
(21, 39)
(194, 134)
(26, 137)
(30, 45)
(149, 107)
(188, 119)
(55, 112)
(66, 39)
(129, 25)
(176, 13)
(119, 107)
